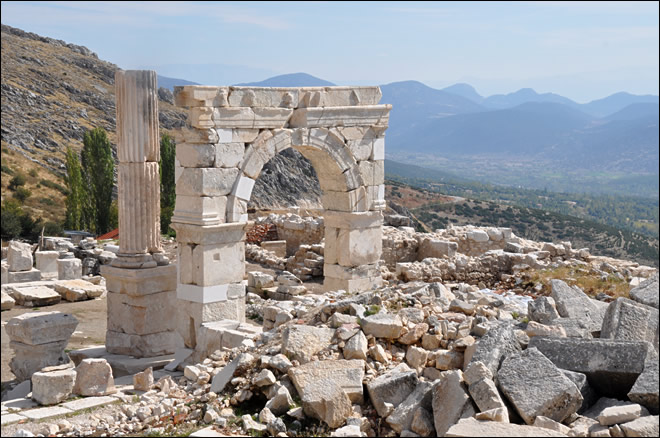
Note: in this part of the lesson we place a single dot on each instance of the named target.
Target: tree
(98, 168)
(77, 196)
(167, 185)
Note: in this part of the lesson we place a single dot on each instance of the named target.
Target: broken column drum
(141, 285)
(231, 133)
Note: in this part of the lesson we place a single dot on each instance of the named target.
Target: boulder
(49, 388)
(451, 401)
(485, 395)
(356, 347)
(301, 342)
(326, 400)
(94, 378)
(535, 386)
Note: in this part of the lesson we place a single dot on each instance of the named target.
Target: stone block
(351, 285)
(278, 247)
(356, 347)
(493, 347)
(217, 264)
(645, 389)
(196, 154)
(391, 388)
(187, 135)
(200, 210)
(361, 149)
(144, 380)
(382, 325)
(263, 97)
(24, 276)
(44, 413)
(647, 292)
(435, 248)
(5, 272)
(243, 187)
(451, 401)
(573, 303)
(469, 427)
(348, 374)
(19, 256)
(149, 345)
(138, 282)
(619, 414)
(628, 320)
(69, 269)
(210, 234)
(37, 328)
(201, 117)
(535, 386)
(338, 96)
(301, 342)
(142, 315)
(645, 426)
(35, 296)
(77, 290)
(611, 366)
(326, 400)
(89, 403)
(478, 236)
(485, 395)
(49, 388)
(589, 396)
(229, 154)
(200, 95)
(350, 201)
(358, 246)
(340, 116)
(206, 181)
(402, 417)
(542, 310)
(94, 378)
(46, 262)
(28, 359)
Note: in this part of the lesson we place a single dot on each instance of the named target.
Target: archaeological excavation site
(343, 320)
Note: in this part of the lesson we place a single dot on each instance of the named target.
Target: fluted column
(138, 149)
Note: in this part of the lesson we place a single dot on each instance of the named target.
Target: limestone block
(150, 345)
(35, 296)
(359, 246)
(37, 328)
(573, 303)
(382, 325)
(69, 269)
(243, 187)
(402, 417)
(229, 154)
(535, 386)
(49, 388)
(645, 390)
(201, 117)
(338, 96)
(436, 248)
(361, 149)
(200, 210)
(499, 342)
(543, 310)
(188, 135)
(348, 374)
(236, 210)
(218, 263)
(361, 132)
(278, 247)
(351, 285)
(200, 95)
(645, 426)
(451, 401)
(46, 262)
(138, 282)
(206, 181)
(141, 315)
(611, 366)
(245, 117)
(19, 256)
(628, 320)
(5, 273)
(28, 359)
(264, 97)
(351, 201)
(94, 378)
(340, 116)
(469, 427)
(326, 400)
(144, 380)
(356, 347)
(416, 357)
(477, 235)
(7, 301)
(391, 388)
(213, 234)
(196, 154)
(301, 342)
(237, 135)
(647, 292)
(77, 290)
(485, 395)
(24, 276)
(372, 172)
(619, 414)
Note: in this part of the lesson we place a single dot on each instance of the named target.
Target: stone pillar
(211, 262)
(141, 285)
(353, 244)
(138, 150)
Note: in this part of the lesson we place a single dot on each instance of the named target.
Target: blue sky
(582, 50)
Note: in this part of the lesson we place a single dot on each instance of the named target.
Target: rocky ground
(433, 352)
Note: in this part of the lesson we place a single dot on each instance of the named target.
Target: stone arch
(230, 134)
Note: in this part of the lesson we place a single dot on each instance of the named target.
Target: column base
(154, 344)
(134, 261)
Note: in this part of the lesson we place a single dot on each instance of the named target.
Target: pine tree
(75, 198)
(98, 174)
(167, 185)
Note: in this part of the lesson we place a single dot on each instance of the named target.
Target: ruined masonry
(231, 133)
(141, 285)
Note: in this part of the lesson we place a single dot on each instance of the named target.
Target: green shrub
(22, 194)
(33, 173)
(17, 181)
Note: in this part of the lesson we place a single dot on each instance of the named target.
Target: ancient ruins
(348, 323)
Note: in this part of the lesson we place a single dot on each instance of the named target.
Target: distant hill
(616, 102)
(170, 83)
(465, 90)
(290, 80)
(636, 111)
(525, 95)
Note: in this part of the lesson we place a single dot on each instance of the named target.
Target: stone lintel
(324, 117)
(210, 234)
(139, 281)
(337, 219)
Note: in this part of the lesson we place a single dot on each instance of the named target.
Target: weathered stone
(49, 388)
(29, 359)
(281, 402)
(536, 329)
(611, 366)
(382, 325)
(448, 360)
(645, 389)
(76, 290)
(46, 262)
(264, 378)
(377, 352)
(543, 310)
(548, 423)
(498, 343)
(391, 388)
(627, 320)
(413, 335)
(460, 306)
(475, 372)
(19, 256)
(422, 422)
(645, 426)
(451, 402)
(36, 296)
(7, 301)
(69, 269)
(326, 400)
(647, 292)
(356, 347)
(580, 380)
(301, 342)
(573, 303)
(485, 395)
(144, 381)
(348, 431)
(252, 426)
(348, 374)
(535, 386)
(41, 327)
(469, 427)
(498, 414)
(94, 377)
(402, 416)
(416, 358)
(24, 277)
(619, 414)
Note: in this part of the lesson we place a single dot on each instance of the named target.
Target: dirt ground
(92, 321)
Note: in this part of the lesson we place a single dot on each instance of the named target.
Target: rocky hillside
(52, 92)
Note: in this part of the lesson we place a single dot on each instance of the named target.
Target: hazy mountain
(524, 95)
(616, 102)
(465, 90)
(636, 111)
(170, 83)
(291, 80)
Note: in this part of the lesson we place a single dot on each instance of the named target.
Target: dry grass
(591, 282)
